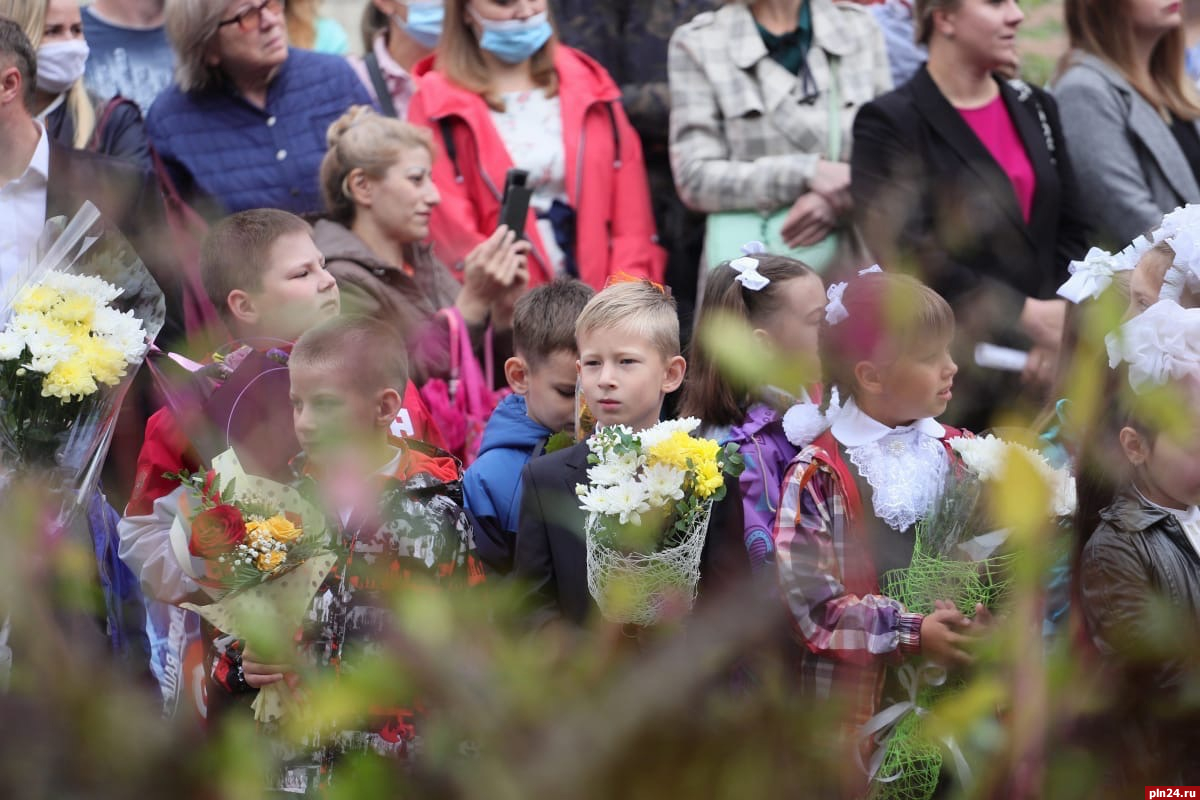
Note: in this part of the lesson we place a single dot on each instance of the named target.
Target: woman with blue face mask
(70, 115)
(396, 35)
(502, 92)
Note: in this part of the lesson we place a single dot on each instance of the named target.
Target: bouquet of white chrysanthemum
(648, 499)
(959, 556)
(75, 326)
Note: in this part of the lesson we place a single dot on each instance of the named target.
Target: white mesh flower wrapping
(642, 588)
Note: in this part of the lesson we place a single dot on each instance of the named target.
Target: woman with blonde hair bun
(379, 196)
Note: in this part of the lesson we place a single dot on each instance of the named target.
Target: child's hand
(259, 674)
(941, 641)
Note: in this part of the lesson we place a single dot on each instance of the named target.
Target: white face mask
(60, 64)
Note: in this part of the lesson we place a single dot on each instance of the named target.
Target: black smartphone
(514, 207)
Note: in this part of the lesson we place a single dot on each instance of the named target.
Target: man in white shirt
(24, 154)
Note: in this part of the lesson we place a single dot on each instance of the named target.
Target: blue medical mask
(424, 23)
(513, 40)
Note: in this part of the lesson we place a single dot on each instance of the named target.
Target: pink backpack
(461, 405)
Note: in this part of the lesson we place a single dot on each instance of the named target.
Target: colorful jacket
(767, 452)
(417, 538)
(605, 176)
(849, 631)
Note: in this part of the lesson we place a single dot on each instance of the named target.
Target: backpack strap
(451, 148)
(382, 94)
(826, 455)
(454, 322)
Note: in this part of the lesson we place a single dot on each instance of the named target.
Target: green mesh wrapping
(912, 759)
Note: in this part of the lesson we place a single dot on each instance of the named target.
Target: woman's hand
(1043, 322)
(493, 270)
(809, 221)
(831, 180)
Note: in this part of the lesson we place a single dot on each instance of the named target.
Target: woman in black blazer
(963, 179)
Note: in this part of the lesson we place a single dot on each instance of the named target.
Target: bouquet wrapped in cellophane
(260, 550)
(74, 327)
(960, 557)
(648, 500)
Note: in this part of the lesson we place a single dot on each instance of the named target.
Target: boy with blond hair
(542, 377)
(628, 338)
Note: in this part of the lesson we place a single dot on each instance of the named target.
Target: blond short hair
(637, 307)
(336, 346)
(191, 26)
(362, 139)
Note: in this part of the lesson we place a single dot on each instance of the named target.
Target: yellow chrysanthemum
(36, 300)
(105, 362)
(282, 529)
(709, 479)
(69, 378)
(270, 561)
(75, 309)
(674, 450)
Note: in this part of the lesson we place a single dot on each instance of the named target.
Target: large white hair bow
(747, 267)
(1091, 276)
(1160, 344)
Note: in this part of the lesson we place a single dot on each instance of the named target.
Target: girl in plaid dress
(851, 498)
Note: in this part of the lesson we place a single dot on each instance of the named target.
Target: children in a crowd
(628, 338)
(783, 301)
(542, 376)
(851, 499)
(400, 530)
(1139, 571)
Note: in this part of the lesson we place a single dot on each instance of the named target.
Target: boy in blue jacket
(542, 377)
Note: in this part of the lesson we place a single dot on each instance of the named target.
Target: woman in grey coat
(1129, 114)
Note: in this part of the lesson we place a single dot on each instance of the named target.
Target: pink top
(995, 128)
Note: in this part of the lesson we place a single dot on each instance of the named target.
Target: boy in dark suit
(628, 337)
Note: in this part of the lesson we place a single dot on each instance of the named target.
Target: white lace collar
(905, 466)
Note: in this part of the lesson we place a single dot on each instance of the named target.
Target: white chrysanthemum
(663, 430)
(98, 289)
(611, 472)
(626, 501)
(663, 484)
(12, 345)
(47, 349)
(595, 499)
(24, 325)
(987, 455)
(122, 331)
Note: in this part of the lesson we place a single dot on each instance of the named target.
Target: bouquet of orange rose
(259, 549)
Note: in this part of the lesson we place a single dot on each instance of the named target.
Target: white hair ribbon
(1091, 276)
(748, 274)
(1160, 344)
(835, 312)
(754, 249)
(870, 269)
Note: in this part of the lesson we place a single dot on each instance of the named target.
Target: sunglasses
(251, 18)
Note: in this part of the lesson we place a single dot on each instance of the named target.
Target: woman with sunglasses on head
(763, 94)
(244, 125)
(964, 178)
(71, 115)
(501, 92)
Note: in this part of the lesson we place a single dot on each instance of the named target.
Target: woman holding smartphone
(502, 93)
(379, 198)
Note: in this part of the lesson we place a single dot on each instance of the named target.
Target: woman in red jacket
(502, 92)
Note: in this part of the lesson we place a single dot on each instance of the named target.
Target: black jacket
(550, 552)
(1139, 581)
(927, 190)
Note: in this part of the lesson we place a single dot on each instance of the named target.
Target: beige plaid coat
(746, 133)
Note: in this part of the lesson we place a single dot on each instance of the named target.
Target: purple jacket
(767, 453)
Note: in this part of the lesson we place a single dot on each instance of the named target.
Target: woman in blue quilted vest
(244, 124)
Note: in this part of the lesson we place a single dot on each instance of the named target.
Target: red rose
(216, 531)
